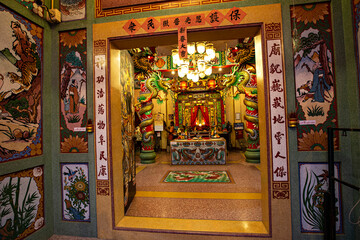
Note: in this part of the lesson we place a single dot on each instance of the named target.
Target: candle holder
(89, 126)
(292, 120)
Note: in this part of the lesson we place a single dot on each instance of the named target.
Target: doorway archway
(115, 215)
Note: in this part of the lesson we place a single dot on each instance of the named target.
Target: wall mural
(21, 44)
(314, 75)
(356, 15)
(128, 126)
(73, 112)
(72, 9)
(75, 192)
(31, 5)
(314, 183)
(22, 203)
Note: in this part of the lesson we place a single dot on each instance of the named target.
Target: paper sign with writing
(182, 42)
(132, 26)
(277, 102)
(100, 118)
(151, 25)
(235, 15)
(215, 18)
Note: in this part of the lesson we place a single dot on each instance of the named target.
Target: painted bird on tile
(70, 173)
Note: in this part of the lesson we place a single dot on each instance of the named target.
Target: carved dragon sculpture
(239, 79)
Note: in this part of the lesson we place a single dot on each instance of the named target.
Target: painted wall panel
(75, 192)
(316, 106)
(313, 180)
(21, 48)
(356, 16)
(22, 203)
(72, 10)
(73, 101)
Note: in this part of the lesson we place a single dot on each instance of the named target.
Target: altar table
(198, 152)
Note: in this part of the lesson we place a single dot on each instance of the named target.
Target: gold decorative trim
(281, 190)
(100, 47)
(102, 187)
(273, 31)
(99, 12)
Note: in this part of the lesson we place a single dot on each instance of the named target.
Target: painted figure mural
(314, 75)
(75, 192)
(22, 203)
(20, 87)
(73, 112)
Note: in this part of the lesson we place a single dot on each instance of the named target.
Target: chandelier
(198, 62)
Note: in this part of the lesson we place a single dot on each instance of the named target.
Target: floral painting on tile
(21, 46)
(314, 75)
(22, 203)
(72, 9)
(314, 183)
(73, 112)
(128, 128)
(75, 192)
(356, 15)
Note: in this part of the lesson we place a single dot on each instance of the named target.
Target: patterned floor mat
(198, 177)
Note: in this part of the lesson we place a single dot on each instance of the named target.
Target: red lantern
(183, 85)
(211, 83)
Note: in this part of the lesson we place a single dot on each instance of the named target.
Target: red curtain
(194, 111)
(205, 113)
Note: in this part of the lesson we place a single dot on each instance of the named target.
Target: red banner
(235, 15)
(132, 26)
(150, 25)
(182, 42)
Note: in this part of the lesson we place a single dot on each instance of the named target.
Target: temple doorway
(207, 111)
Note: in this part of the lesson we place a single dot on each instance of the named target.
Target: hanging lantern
(175, 56)
(200, 47)
(183, 85)
(195, 76)
(208, 70)
(191, 48)
(212, 83)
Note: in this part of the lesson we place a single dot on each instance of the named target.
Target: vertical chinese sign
(101, 140)
(356, 15)
(182, 42)
(314, 75)
(73, 111)
(278, 112)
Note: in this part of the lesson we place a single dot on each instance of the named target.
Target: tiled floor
(239, 201)
(232, 207)
(62, 237)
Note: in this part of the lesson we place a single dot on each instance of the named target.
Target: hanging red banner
(182, 42)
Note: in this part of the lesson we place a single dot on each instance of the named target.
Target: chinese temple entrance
(202, 112)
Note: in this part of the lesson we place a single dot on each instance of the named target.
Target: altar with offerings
(207, 151)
